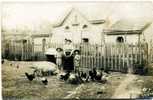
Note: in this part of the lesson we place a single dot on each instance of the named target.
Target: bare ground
(126, 89)
(15, 84)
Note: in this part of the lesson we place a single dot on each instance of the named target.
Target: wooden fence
(151, 52)
(116, 57)
(23, 50)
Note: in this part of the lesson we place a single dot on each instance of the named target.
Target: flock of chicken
(68, 76)
(75, 78)
(82, 77)
(30, 77)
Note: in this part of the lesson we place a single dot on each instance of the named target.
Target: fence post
(119, 57)
(22, 46)
(43, 45)
(146, 54)
(105, 55)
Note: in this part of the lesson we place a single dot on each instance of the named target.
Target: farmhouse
(78, 28)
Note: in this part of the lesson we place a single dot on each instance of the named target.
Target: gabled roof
(62, 20)
(130, 26)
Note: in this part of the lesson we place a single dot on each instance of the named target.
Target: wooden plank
(115, 51)
(120, 59)
(101, 57)
(136, 53)
(111, 66)
(132, 57)
(122, 47)
(105, 55)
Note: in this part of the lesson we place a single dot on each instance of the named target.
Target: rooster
(30, 76)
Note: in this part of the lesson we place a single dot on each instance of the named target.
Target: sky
(32, 14)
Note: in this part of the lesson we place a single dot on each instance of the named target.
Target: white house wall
(133, 38)
(93, 32)
(148, 34)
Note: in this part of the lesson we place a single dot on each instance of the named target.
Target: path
(125, 89)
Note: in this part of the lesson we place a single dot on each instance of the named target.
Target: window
(44, 40)
(24, 41)
(85, 26)
(75, 22)
(120, 39)
(67, 27)
(85, 40)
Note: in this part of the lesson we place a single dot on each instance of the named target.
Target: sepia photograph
(77, 50)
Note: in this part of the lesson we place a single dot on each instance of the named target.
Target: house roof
(130, 26)
(89, 19)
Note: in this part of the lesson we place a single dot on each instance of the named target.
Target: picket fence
(115, 57)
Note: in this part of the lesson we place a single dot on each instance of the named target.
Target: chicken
(44, 81)
(98, 76)
(78, 77)
(11, 64)
(106, 71)
(65, 76)
(104, 78)
(30, 76)
(17, 66)
(84, 75)
(74, 79)
(2, 61)
(92, 74)
(95, 75)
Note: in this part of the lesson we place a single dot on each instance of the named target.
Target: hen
(44, 81)
(30, 76)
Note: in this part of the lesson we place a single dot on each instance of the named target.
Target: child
(58, 57)
(76, 60)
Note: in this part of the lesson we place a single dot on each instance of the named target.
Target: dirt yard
(16, 85)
